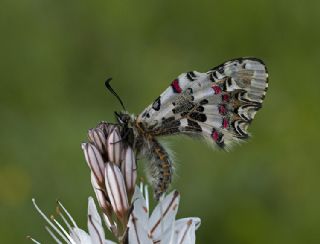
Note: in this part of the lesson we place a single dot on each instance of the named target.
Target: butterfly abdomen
(159, 163)
(161, 169)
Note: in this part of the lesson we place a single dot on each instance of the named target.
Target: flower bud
(129, 170)
(115, 147)
(95, 162)
(116, 190)
(102, 197)
(106, 128)
(98, 138)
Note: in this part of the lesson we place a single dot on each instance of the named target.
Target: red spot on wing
(217, 89)
(222, 109)
(215, 136)
(225, 97)
(176, 87)
(225, 123)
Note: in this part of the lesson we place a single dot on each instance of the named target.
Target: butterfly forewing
(217, 105)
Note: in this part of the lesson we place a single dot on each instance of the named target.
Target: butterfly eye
(122, 118)
(119, 117)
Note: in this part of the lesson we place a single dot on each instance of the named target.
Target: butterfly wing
(218, 105)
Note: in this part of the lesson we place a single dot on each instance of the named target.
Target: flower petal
(164, 215)
(98, 138)
(129, 170)
(106, 127)
(101, 195)
(140, 209)
(116, 191)
(95, 162)
(180, 222)
(184, 231)
(80, 236)
(137, 232)
(94, 223)
(115, 147)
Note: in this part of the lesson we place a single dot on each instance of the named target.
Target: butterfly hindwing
(217, 105)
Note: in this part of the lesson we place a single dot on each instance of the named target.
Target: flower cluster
(113, 174)
(159, 227)
(124, 206)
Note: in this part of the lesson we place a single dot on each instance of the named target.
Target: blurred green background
(55, 56)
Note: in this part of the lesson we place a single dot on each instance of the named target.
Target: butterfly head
(123, 118)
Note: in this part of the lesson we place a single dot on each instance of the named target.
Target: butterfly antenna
(107, 83)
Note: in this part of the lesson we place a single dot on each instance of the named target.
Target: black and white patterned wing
(218, 105)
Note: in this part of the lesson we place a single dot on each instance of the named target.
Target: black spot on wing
(221, 69)
(183, 107)
(198, 116)
(189, 91)
(167, 120)
(244, 116)
(255, 106)
(213, 77)
(200, 109)
(193, 126)
(157, 104)
(224, 86)
(171, 121)
(229, 81)
(237, 127)
(204, 102)
(191, 76)
(170, 125)
(146, 114)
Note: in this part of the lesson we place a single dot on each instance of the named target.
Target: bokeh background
(55, 56)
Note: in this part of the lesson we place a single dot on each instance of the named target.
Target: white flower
(161, 226)
(72, 234)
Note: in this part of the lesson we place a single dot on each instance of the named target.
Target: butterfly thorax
(159, 166)
(159, 163)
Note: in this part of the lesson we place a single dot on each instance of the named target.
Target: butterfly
(217, 105)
